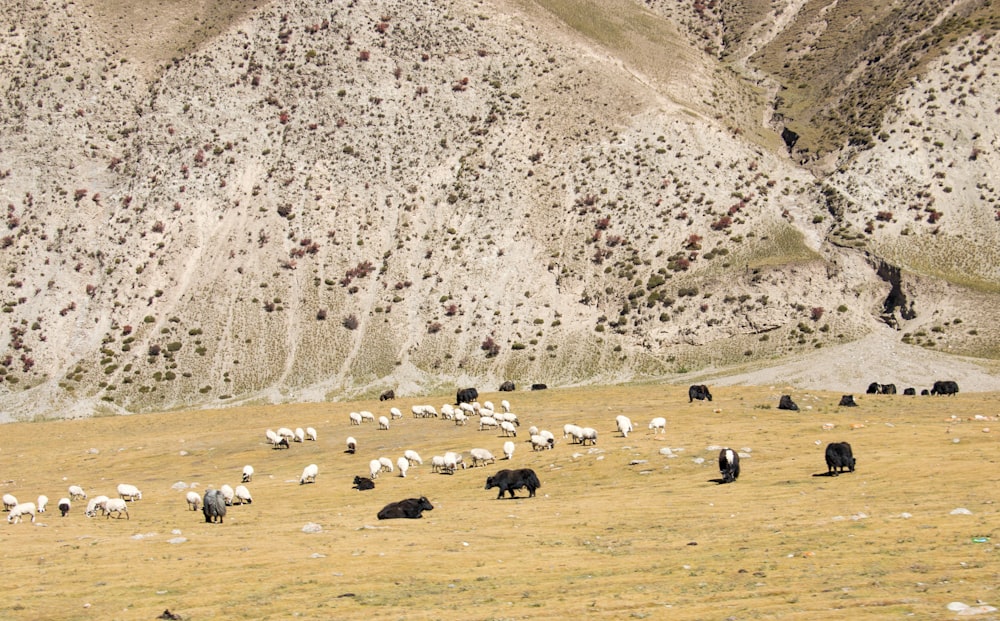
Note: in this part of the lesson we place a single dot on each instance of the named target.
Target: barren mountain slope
(302, 202)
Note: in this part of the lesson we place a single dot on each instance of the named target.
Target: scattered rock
(961, 511)
(312, 528)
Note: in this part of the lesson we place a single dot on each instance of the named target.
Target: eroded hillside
(301, 201)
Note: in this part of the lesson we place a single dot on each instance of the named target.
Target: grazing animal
(272, 438)
(699, 392)
(510, 480)
(786, 403)
(508, 428)
(505, 405)
(403, 464)
(466, 395)
(129, 492)
(541, 443)
(310, 434)
(924, 392)
(539, 387)
(388, 395)
(242, 495)
(452, 461)
(64, 506)
(355, 418)
(624, 425)
(944, 387)
(352, 445)
(658, 424)
(282, 443)
(193, 500)
(42, 501)
(729, 465)
(848, 401)
(385, 463)
(395, 413)
(96, 504)
(300, 434)
(213, 506)
(508, 450)
(247, 474)
(374, 468)
(413, 457)
(9, 502)
(588, 434)
(411, 508)
(116, 506)
(881, 389)
(383, 422)
(910, 391)
(20, 510)
(227, 494)
(76, 493)
(367, 416)
(361, 483)
(481, 456)
(309, 474)
(487, 422)
(838, 457)
(507, 386)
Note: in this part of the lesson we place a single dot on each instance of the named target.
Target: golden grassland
(618, 530)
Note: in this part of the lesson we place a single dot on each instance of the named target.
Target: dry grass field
(619, 530)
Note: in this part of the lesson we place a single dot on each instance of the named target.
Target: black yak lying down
(838, 457)
(510, 480)
(363, 483)
(411, 508)
(786, 403)
(729, 465)
(848, 401)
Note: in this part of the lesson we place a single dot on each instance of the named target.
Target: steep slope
(303, 202)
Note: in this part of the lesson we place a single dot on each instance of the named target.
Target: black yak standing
(510, 480)
(729, 465)
(699, 392)
(213, 506)
(838, 457)
(411, 508)
(466, 395)
(507, 386)
(944, 387)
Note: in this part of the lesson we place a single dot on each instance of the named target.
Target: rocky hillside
(209, 203)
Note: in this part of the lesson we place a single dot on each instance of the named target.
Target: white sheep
(355, 418)
(481, 456)
(403, 464)
(545, 433)
(116, 506)
(96, 504)
(453, 460)
(488, 422)
(508, 429)
(300, 434)
(385, 464)
(352, 445)
(437, 463)
(42, 501)
(510, 417)
(467, 409)
(310, 434)
(395, 413)
(309, 474)
(367, 416)
(624, 424)
(76, 493)
(193, 500)
(540, 443)
(64, 505)
(505, 405)
(129, 492)
(412, 457)
(571, 431)
(20, 510)
(430, 411)
(383, 422)
(247, 473)
(285, 432)
(227, 494)
(9, 502)
(418, 411)
(588, 433)
(272, 437)
(242, 495)
(532, 431)
(508, 450)
(374, 468)
(658, 424)
(448, 411)
(461, 418)
(488, 405)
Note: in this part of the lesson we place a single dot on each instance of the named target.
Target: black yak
(699, 392)
(411, 508)
(786, 403)
(388, 395)
(944, 388)
(507, 386)
(363, 483)
(466, 395)
(539, 387)
(729, 465)
(510, 480)
(881, 389)
(838, 457)
(848, 401)
(213, 505)
(910, 391)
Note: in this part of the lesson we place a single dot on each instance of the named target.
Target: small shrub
(350, 322)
